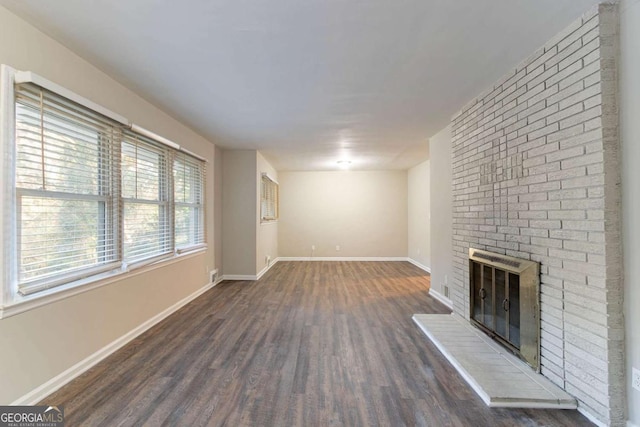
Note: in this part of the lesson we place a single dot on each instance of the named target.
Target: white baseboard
(417, 264)
(437, 295)
(44, 390)
(267, 268)
(295, 258)
(250, 277)
(239, 277)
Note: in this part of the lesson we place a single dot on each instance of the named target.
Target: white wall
(365, 213)
(245, 241)
(441, 210)
(39, 344)
(239, 212)
(215, 206)
(419, 214)
(267, 233)
(630, 136)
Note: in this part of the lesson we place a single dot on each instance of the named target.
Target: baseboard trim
(342, 258)
(417, 264)
(267, 268)
(36, 395)
(250, 277)
(591, 418)
(437, 295)
(239, 277)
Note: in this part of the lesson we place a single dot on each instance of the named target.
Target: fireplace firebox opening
(505, 302)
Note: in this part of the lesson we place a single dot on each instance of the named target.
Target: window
(86, 194)
(66, 204)
(145, 199)
(268, 199)
(188, 190)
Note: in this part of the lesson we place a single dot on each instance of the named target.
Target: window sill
(275, 221)
(21, 304)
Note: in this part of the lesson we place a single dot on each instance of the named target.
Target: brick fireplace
(536, 176)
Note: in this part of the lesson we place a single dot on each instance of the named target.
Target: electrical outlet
(337, 247)
(313, 247)
(635, 378)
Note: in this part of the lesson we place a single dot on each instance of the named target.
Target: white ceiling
(307, 82)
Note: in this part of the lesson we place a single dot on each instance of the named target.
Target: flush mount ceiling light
(344, 164)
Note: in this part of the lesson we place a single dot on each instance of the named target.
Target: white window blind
(188, 187)
(66, 189)
(91, 195)
(268, 199)
(145, 197)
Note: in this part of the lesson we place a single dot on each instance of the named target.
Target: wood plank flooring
(310, 344)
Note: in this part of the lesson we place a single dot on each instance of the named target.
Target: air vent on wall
(213, 276)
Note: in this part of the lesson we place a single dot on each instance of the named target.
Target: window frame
(46, 128)
(163, 202)
(198, 206)
(59, 286)
(265, 181)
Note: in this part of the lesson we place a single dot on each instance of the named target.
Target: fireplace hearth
(505, 302)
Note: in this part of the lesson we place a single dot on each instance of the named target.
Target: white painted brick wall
(536, 175)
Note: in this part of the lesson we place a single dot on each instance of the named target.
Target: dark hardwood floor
(310, 344)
